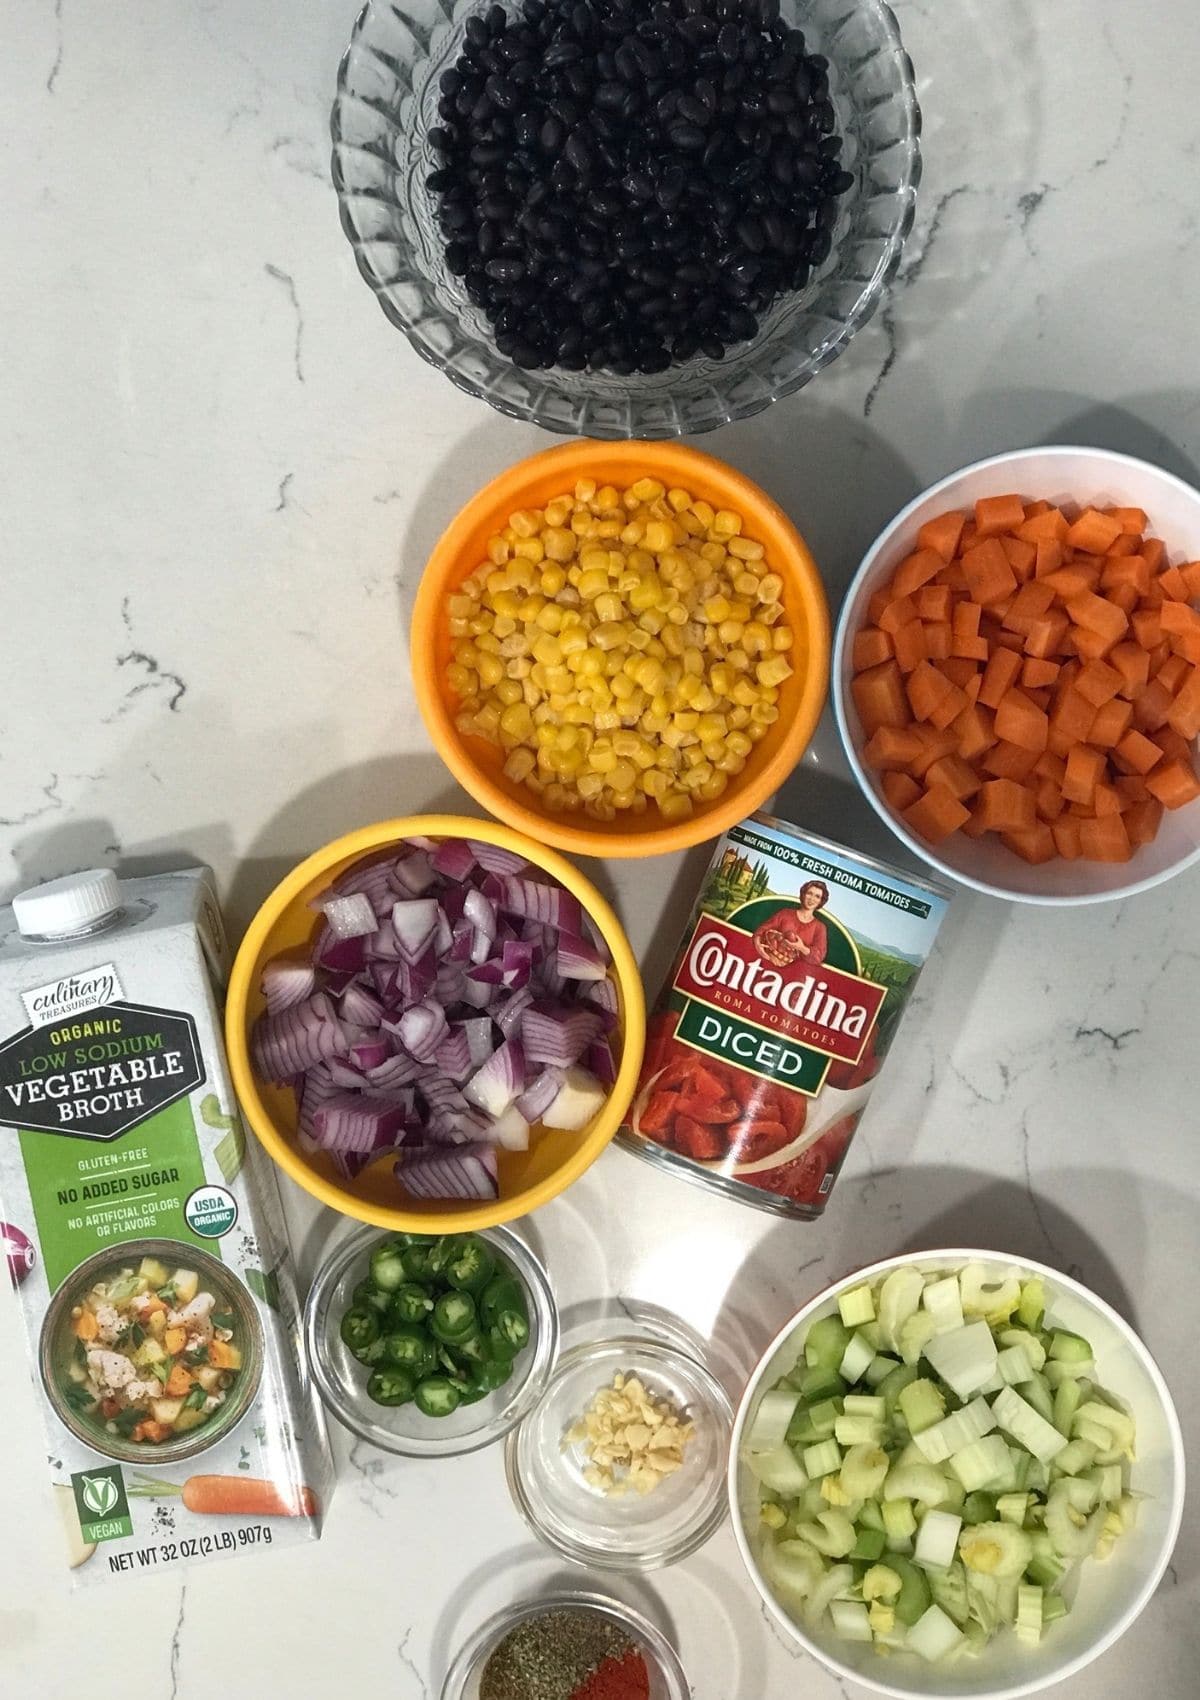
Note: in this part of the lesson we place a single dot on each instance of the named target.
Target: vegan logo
(101, 1503)
(73, 994)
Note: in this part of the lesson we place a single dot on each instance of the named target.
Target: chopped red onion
(354, 1122)
(370, 1054)
(287, 1044)
(476, 993)
(413, 875)
(422, 1029)
(479, 1038)
(558, 1034)
(495, 858)
(600, 1061)
(535, 901)
(286, 982)
(348, 956)
(537, 1099)
(602, 993)
(507, 1015)
(482, 917)
(359, 1006)
(576, 959)
(455, 859)
(510, 1131)
(469, 1172)
(453, 1055)
(349, 917)
(373, 880)
(415, 922)
(500, 1080)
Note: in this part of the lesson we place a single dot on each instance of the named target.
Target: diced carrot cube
(1032, 509)
(1051, 525)
(1173, 584)
(1130, 788)
(1048, 798)
(916, 570)
(953, 577)
(898, 612)
(1085, 769)
(942, 534)
(960, 670)
(877, 604)
(939, 639)
(1046, 635)
(1050, 766)
(1090, 646)
(1035, 673)
(934, 602)
(925, 687)
(1072, 714)
(1133, 664)
(936, 743)
(1111, 723)
(909, 643)
(1175, 784)
(1036, 844)
(1020, 721)
(1142, 821)
(999, 676)
(1191, 577)
(949, 707)
(970, 648)
(1094, 531)
(1007, 806)
(1147, 627)
(1065, 832)
(957, 775)
(1049, 557)
(964, 620)
(989, 577)
(973, 729)
(1133, 521)
(1124, 597)
(1155, 551)
(1173, 672)
(1124, 546)
(1098, 615)
(1022, 556)
(1008, 640)
(1039, 694)
(994, 514)
(1187, 645)
(936, 814)
(972, 685)
(1009, 761)
(1136, 753)
(1132, 570)
(1105, 840)
(1151, 706)
(892, 746)
(1183, 716)
(871, 647)
(1172, 744)
(1028, 606)
(1068, 582)
(1178, 617)
(900, 789)
(1098, 682)
(879, 697)
(1106, 800)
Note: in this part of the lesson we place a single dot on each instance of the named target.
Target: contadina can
(765, 1044)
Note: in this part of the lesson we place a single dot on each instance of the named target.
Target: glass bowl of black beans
(627, 218)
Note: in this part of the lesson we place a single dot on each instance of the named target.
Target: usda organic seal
(210, 1212)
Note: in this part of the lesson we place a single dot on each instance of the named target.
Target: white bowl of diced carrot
(1016, 675)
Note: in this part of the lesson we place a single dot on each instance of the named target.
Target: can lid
(68, 905)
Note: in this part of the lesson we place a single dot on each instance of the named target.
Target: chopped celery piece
(1013, 1508)
(868, 1547)
(774, 1516)
(1109, 1480)
(1058, 1373)
(1014, 1366)
(991, 1294)
(1081, 1495)
(801, 1432)
(943, 1300)
(1029, 1614)
(995, 1549)
(916, 1331)
(1053, 1607)
(1045, 1571)
(979, 1507)
(881, 1582)
(914, 1595)
(1037, 1392)
(863, 1472)
(857, 1431)
(949, 1590)
(981, 1462)
(899, 1520)
(937, 1539)
(954, 1432)
(865, 1405)
(1074, 1535)
(821, 1382)
(1069, 1348)
(1029, 1343)
(825, 1343)
(915, 1481)
(850, 1619)
(1032, 1306)
(793, 1567)
(934, 1635)
(870, 1517)
(1027, 1426)
(831, 1532)
(822, 1459)
(781, 1470)
(823, 1415)
(1077, 1455)
(856, 1359)
(964, 1358)
(833, 1493)
(879, 1368)
(1115, 1423)
(922, 1404)
(1068, 1397)
(835, 1581)
(857, 1306)
(770, 1425)
(899, 1297)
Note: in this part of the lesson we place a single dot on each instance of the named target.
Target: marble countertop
(222, 471)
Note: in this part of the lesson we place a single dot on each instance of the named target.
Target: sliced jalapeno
(409, 1348)
(513, 1327)
(390, 1386)
(367, 1293)
(410, 1303)
(454, 1317)
(360, 1328)
(437, 1396)
(502, 1293)
(417, 1264)
(471, 1265)
(387, 1265)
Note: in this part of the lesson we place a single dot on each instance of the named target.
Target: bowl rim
(542, 1361)
(627, 1344)
(951, 1256)
(868, 302)
(487, 1636)
(843, 636)
(133, 1452)
(351, 845)
(677, 463)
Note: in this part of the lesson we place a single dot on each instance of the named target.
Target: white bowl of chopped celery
(954, 1475)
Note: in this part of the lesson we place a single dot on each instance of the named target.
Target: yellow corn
(624, 648)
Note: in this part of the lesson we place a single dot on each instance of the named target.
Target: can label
(796, 966)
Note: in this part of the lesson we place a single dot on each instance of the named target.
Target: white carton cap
(69, 905)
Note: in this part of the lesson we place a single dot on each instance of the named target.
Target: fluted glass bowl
(386, 103)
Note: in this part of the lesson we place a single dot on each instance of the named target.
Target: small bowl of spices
(567, 1646)
(619, 1465)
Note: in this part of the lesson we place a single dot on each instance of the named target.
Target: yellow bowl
(528, 1178)
(478, 765)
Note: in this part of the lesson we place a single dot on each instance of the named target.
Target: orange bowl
(478, 765)
(528, 1179)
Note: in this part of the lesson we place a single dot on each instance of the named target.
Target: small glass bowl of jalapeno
(431, 1344)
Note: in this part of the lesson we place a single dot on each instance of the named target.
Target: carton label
(73, 994)
(96, 1078)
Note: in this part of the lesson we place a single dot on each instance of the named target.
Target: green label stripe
(768, 1055)
(101, 1503)
(830, 872)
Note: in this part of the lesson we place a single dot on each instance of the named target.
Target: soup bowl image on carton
(152, 1268)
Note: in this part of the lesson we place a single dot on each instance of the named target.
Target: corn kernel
(659, 535)
(770, 586)
(774, 671)
(726, 523)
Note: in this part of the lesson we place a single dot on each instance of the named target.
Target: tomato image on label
(776, 1017)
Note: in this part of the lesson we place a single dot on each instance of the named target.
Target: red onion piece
(453, 1055)
(495, 858)
(422, 1029)
(454, 858)
(468, 1172)
(414, 922)
(287, 1044)
(413, 875)
(537, 1099)
(354, 1122)
(18, 1250)
(577, 959)
(558, 1034)
(349, 917)
(287, 981)
(500, 1080)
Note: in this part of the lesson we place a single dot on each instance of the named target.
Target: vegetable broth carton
(144, 1235)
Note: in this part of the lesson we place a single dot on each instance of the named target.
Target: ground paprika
(624, 1678)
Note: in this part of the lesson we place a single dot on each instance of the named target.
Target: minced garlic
(630, 1439)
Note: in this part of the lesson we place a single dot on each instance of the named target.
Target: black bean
(712, 347)
(693, 111)
(750, 232)
(729, 43)
(687, 137)
(552, 134)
